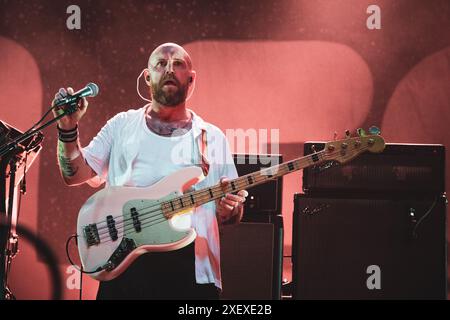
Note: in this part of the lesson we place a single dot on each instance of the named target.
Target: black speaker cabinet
(400, 168)
(252, 260)
(263, 200)
(369, 248)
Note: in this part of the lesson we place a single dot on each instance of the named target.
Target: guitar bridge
(122, 251)
(91, 235)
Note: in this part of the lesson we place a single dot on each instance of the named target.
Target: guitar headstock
(346, 149)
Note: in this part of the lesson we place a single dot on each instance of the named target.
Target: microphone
(90, 90)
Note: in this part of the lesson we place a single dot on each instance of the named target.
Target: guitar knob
(361, 132)
(347, 134)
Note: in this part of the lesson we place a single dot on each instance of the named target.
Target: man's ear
(192, 77)
(147, 76)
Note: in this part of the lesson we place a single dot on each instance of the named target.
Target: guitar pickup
(136, 222)
(91, 235)
(112, 227)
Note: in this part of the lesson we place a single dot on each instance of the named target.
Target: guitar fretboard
(205, 195)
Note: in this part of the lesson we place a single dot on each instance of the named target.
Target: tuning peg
(313, 148)
(361, 132)
(374, 130)
(347, 134)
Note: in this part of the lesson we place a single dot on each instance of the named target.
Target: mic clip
(71, 105)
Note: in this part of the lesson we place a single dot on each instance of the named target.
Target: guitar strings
(130, 226)
(150, 223)
(141, 214)
(205, 195)
(201, 194)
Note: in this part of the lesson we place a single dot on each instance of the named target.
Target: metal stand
(16, 149)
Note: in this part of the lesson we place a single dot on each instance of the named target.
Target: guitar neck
(205, 195)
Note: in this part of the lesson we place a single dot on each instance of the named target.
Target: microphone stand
(9, 152)
(13, 145)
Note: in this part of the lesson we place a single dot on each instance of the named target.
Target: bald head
(169, 74)
(169, 49)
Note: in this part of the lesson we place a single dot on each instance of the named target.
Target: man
(136, 148)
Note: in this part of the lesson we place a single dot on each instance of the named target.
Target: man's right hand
(70, 121)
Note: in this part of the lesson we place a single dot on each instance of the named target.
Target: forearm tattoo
(68, 168)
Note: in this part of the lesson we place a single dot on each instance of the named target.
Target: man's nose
(169, 67)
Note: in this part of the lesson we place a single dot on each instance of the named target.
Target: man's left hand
(229, 207)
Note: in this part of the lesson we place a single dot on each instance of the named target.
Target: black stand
(13, 158)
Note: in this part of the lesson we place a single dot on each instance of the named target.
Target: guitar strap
(203, 146)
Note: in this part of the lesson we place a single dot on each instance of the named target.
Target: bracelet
(68, 140)
(68, 135)
(67, 131)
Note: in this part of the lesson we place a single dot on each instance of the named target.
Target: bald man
(136, 148)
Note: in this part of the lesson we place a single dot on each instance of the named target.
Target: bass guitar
(117, 224)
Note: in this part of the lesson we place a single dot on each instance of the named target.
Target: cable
(81, 275)
(42, 119)
(137, 87)
(81, 284)
(414, 233)
(80, 269)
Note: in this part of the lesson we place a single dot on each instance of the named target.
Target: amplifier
(264, 200)
(400, 168)
(371, 248)
(252, 260)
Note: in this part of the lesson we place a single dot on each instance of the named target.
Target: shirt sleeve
(98, 151)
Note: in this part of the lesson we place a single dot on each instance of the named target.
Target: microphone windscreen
(94, 88)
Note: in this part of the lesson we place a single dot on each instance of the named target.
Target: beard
(169, 98)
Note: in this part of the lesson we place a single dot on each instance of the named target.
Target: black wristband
(67, 140)
(67, 131)
(67, 136)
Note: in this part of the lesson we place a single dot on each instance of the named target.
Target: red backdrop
(306, 68)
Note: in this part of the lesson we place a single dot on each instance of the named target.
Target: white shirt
(127, 153)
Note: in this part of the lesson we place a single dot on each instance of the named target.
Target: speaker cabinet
(265, 199)
(400, 168)
(338, 243)
(251, 260)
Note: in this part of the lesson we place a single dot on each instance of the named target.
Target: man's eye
(162, 63)
(178, 63)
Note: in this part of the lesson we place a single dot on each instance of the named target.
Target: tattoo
(175, 128)
(68, 169)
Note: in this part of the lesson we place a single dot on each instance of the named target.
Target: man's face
(170, 70)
